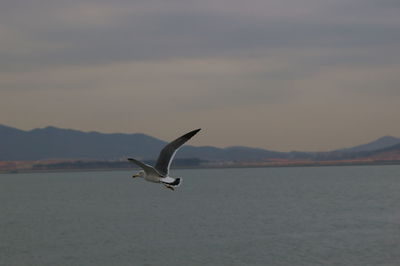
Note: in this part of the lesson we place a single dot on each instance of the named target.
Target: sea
(298, 216)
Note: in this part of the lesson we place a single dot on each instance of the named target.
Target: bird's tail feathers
(174, 182)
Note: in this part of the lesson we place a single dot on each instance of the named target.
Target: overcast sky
(276, 74)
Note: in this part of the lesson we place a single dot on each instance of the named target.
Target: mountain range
(57, 143)
(381, 143)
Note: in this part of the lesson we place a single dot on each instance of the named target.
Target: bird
(160, 172)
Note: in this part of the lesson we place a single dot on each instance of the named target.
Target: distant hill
(389, 153)
(236, 153)
(52, 142)
(380, 143)
(56, 143)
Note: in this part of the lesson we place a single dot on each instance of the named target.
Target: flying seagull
(159, 173)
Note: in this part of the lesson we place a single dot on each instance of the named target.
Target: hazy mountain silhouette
(381, 143)
(56, 143)
(52, 142)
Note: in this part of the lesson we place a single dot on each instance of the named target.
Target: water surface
(259, 216)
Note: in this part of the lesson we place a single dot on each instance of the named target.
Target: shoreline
(220, 166)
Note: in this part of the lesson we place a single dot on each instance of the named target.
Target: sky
(284, 75)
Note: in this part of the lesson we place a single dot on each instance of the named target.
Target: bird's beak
(134, 176)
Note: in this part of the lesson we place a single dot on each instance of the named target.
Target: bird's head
(139, 174)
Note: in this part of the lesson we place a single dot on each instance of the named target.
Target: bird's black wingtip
(189, 135)
(194, 132)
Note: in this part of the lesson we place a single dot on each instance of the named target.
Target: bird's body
(159, 173)
(153, 178)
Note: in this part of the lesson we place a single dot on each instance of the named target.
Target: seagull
(159, 173)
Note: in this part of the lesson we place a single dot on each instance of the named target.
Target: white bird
(159, 173)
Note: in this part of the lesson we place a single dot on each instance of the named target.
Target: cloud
(225, 63)
(104, 32)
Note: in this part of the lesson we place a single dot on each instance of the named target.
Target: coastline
(213, 166)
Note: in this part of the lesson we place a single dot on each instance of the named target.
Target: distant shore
(49, 168)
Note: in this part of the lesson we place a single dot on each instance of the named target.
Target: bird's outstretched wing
(147, 168)
(168, 152)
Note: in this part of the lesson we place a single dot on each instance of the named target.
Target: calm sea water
(259, 216)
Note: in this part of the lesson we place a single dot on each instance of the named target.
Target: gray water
(259, 216)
